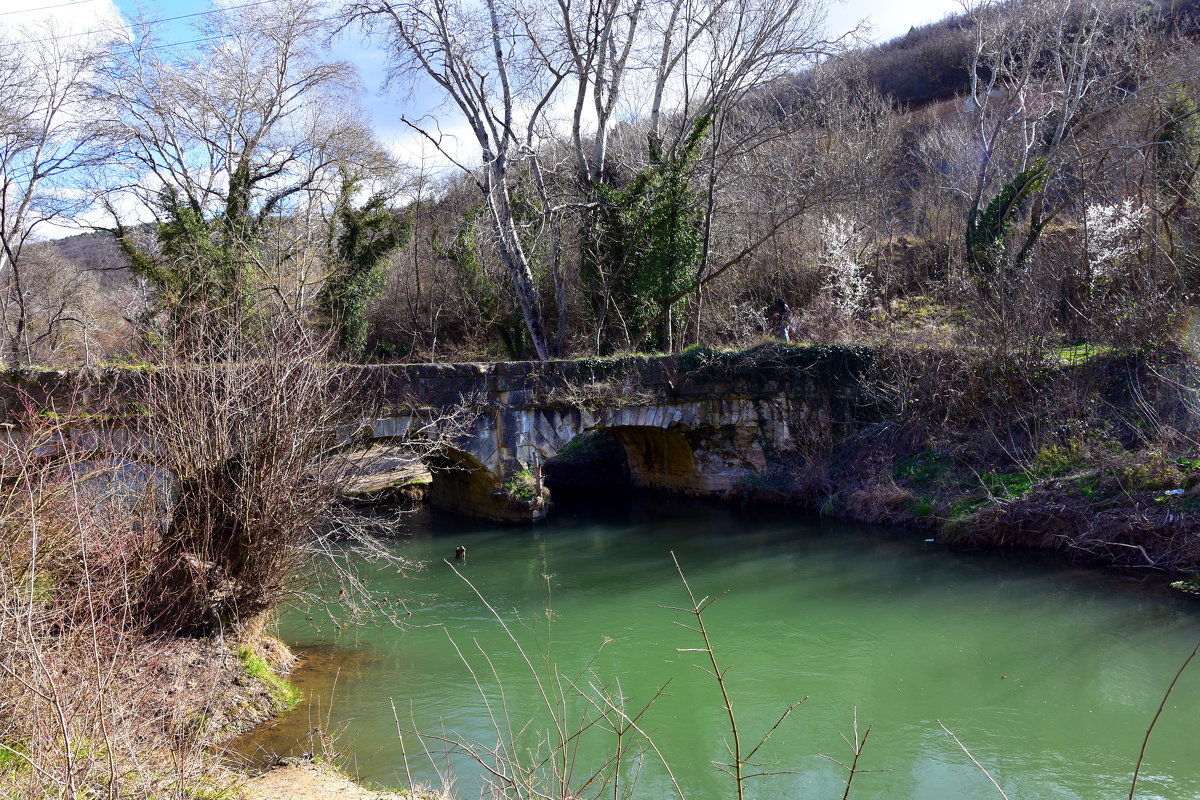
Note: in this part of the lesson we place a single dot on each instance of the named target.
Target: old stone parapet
(763, 371)
(699, 423)
(103, 390)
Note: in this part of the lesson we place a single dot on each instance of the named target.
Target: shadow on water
(321, 668)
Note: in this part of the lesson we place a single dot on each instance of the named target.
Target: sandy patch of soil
(298, 780)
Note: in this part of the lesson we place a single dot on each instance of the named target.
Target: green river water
(1049, 673)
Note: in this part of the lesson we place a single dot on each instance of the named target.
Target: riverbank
(140, 718)
(300, 779)
(1092, 454)
(1084, 511)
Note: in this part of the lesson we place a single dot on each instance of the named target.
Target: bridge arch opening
(460, 481)
(660, 459)
(590, 467)
(621, 458)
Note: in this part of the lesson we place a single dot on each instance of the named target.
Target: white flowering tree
(1114, 235)
(842, 245)
(1132, 303)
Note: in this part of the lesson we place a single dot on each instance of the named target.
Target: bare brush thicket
(240, 423)
(109, 559)
(80, 716)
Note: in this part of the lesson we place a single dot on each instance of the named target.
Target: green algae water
(1049, 673)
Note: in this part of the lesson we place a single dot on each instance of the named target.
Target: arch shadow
(461, 483)
(660, 459)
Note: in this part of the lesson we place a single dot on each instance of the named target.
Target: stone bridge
(702, 423)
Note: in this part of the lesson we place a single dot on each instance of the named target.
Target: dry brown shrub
(76, 716)
(105, 556)
(997, 399)
(877, 499)
(823, 322)
(241, 423)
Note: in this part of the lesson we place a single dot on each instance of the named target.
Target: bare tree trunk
(512, 254)
(560, 286)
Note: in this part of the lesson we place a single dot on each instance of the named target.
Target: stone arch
(599, 467)
(700, 449)
(661, 459)
(457, 473)
(461, 482)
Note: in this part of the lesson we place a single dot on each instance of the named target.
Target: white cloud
(888, 19)
(54, 29)
(26, 19)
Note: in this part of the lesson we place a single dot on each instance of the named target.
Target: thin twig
(1146, 741)
(697, 610)
(973, 761)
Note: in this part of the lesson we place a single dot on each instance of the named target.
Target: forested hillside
(931, 62)
(1020, 175)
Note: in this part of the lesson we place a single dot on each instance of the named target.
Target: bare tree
(686, 68)
(484, 62)
(62, 310)
(527, 75)
(1041, 74)
(46, 139)
(225, 142)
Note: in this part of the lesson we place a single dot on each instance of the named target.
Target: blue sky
(887, 19)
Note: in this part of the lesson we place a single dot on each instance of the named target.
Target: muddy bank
(161, 706)
(1155, 528)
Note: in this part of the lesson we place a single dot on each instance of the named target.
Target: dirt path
(312, 782)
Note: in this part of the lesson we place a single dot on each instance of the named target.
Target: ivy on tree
(365, 236)
(650, 237)
(201, 264)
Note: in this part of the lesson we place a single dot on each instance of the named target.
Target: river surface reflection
(1049, 673)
